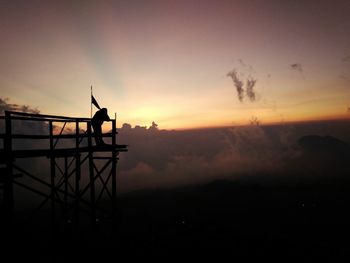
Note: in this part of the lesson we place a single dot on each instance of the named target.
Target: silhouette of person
(99, 117)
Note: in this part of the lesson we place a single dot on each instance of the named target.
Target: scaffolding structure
(80, 173)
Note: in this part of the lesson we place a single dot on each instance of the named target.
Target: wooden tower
(79, 173)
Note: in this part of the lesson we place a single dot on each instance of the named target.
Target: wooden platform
(62, 152)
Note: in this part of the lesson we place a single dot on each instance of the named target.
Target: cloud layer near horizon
(160, 158)
(168, 158)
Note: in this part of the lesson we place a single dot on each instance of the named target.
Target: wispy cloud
(238, 84)
(345, 74)
(238, 79)
(346, 59)
(298, 67)
(6, 106)
(254, 121)
(250, 88)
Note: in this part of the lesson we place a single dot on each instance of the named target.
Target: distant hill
(324, 155)
(328, 144)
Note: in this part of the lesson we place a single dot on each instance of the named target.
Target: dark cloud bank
(160, 158)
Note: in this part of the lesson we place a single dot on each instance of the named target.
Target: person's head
(104, 110)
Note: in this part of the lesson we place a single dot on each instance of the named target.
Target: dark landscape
(297, 215)
(294, 221)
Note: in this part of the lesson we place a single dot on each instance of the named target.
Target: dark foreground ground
(289, 221)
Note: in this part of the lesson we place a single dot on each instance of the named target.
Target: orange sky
(166, 61)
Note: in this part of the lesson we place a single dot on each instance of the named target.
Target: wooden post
(8, 182)
(91, 177)
(77, 176)
(65, 189)
(53, 175)
(114, 169)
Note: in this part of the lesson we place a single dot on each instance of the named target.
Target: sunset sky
(167, 61)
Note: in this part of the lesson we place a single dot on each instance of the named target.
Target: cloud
(237, 83)
(238, 79)
(345, 74)
(254, 121)
(172, 158)
(250, 88)
(298, 67)
(166, 159)
(346, 59)
(22, 127)
(344, 77)
(6, 106)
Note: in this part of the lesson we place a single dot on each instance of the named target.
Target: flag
(93, 101)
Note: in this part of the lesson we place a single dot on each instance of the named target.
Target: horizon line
(272, 123)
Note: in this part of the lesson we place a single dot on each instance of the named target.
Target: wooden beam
(62, 152)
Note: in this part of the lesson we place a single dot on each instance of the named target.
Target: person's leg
(99, 136)
(97, 133)
(100, 139)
